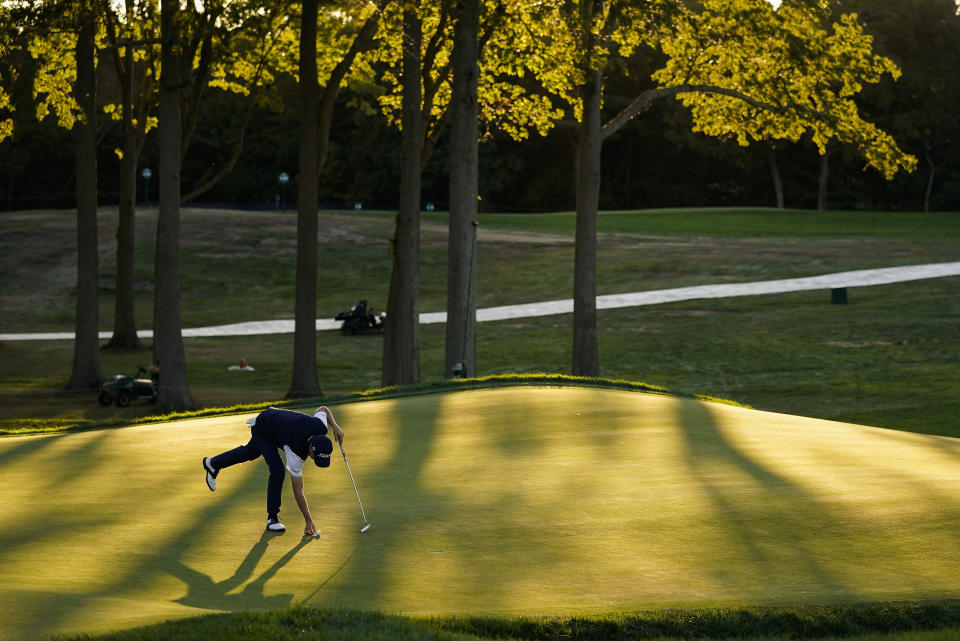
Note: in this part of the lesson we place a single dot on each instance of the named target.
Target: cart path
(858, 278)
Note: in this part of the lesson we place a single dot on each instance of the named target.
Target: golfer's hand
(310, 529)
(338, 434)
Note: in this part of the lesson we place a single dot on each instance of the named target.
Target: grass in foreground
(933, 621)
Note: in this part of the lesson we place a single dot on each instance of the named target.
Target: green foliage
(517, 73)
(798, 77)
(56, 73)
(746, 71)
(135, 26)
(6, 73)
(239, 47)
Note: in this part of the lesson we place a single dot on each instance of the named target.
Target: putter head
(366, 527)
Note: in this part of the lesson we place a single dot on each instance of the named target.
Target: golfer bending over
(300, 436)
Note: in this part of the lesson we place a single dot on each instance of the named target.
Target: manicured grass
(554, 501)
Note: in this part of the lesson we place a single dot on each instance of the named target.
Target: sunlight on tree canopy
(747, 71)
(6, 106)
(512, 54)
(801, 76)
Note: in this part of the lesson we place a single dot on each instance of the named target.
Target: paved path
(859, 278)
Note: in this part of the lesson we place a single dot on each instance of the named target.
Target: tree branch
(645, 99)
(328, 98)
(208, 182)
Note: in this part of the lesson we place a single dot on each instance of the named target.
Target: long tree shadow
(389, 488)
(203, 592)
(768, 523)
(47, 611)
(932, 488)
(23, 531)
(26, 445)
(421, 501)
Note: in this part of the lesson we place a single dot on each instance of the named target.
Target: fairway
(517, 501)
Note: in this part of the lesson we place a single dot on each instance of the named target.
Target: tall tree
(586, 355)
(304, 381)
(131, 49)
(87, 373)
(401, 341)
(61, 40)
(744, 69)
(495, 95)
(346, 35)
(232, 48)
(173, 393)
(461, 329)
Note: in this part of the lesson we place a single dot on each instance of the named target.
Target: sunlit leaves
(259, 50)
(805, 74)
(6, 105)
(6, 124)
(55, 76)
(525, 65)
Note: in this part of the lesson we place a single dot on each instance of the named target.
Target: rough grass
(884, 359)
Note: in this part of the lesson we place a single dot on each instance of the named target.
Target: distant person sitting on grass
(301, 436)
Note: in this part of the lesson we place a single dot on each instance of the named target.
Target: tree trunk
(173, 393)
(401, 341)
(304, 381)
(586, 356)
(933, 172)
(822, 181)
(775, 174)
(461, 331)
(86, 373)
(124, 319)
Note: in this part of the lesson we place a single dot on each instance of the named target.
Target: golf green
(517, 501)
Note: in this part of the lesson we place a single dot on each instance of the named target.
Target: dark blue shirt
(293, 429)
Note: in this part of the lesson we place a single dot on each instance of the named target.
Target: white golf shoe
(274, 525)
(211, 474)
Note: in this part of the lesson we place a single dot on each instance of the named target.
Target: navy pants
(260, 445)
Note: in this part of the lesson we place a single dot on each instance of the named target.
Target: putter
(366, 523)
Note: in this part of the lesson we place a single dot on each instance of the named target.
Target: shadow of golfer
(205, 593)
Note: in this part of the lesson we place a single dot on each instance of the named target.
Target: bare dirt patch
(494, 235)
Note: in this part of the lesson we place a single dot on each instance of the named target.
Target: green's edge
(767, 623)
(25, 427)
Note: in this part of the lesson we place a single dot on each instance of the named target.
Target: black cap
(321, 447)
